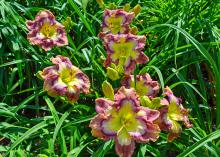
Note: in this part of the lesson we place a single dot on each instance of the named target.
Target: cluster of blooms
(63, 78)
(124, 49)
(133, 112)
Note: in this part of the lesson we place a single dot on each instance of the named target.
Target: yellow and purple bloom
(64, 79)
(116, 21)
(45, 31)
(125, 121)
(125, 49)
(172, 114)
(143, 85)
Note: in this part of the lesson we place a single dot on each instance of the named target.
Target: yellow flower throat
(48, 30)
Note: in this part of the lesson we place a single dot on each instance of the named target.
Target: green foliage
(183, 44)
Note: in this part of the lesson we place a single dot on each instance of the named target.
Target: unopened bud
(108, 90)
(112, 6)
(137, 9)
(39, 75)
(134, 30)
(112, 74)
(101, 3)
(127, 7)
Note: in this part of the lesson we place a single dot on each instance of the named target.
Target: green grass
(183, 44)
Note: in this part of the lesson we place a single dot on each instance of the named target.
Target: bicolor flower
(125, 121)
(45, 31)
(64, 79)
(125, 49)
(116, 21)
(172, 115)
(143, 84)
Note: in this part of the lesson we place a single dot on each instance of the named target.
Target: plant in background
(45, 31)
(64, 79)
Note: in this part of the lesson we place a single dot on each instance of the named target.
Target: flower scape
(132, 113)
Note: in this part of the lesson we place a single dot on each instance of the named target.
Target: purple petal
(124, 150)
(96, 125)
(149, 114)
(152, 133)
(103, 105)
(124, 94)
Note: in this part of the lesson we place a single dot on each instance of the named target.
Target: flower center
(67, 75)
(124, 48)
(141, 88)
(126, 120)
(123, 51)
(114, 24)
(48, 30)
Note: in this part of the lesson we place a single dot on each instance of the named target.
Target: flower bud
(112, 74)
(127, 7)
(108, 90)
(137, 9)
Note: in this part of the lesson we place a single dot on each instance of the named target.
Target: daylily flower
(45, 31)
(143, 85)
(125, 121)
(64, 79)
(172, 114)
(116, 21)
(125, 49)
